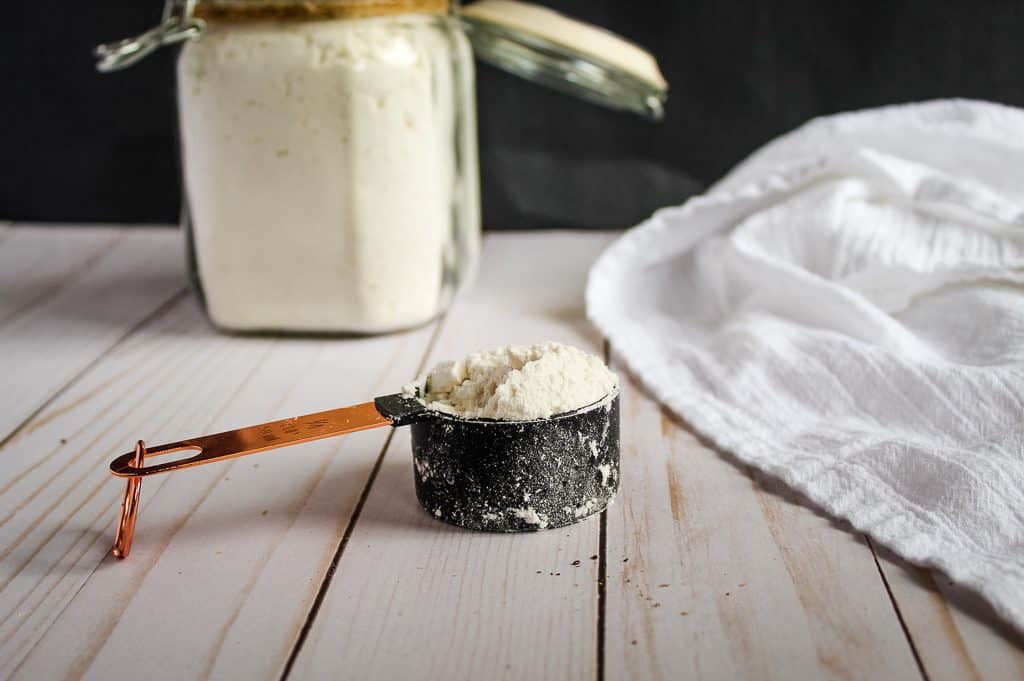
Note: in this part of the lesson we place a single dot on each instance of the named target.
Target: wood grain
(711, 572)
(229, 555)
(956, 634)
(68, 297)
(413, 598)
(37, 262)
(712, 576)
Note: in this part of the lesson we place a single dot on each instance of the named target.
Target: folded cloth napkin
(845, 311)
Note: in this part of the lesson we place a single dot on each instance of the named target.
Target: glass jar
(330, 164)
(329, 147)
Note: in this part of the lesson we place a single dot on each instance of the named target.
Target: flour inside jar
(330, 175)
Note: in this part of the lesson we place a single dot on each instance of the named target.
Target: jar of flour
(329, 146)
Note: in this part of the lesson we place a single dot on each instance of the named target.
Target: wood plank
(229, 557)
(36, 262)
(58, 501)
(956, 634)
(69, 297)
(712, 575)
(193, 601)
(414, 598)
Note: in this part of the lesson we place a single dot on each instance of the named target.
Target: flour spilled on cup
(568, 475)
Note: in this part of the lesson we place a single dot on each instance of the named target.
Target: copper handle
(253, 439)
(229, 445)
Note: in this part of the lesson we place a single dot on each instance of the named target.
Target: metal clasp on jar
(178, 25)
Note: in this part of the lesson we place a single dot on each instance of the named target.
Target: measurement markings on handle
(268, 433)
(291, 429)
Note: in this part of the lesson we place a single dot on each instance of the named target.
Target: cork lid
(241, 10)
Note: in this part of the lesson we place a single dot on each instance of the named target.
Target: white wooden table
(316, 562)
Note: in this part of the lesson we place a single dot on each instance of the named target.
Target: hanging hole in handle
(132, 466)
(125, 466)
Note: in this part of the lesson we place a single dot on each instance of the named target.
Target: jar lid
(185, 20)
(547, 47)
(530, 41)
(242, 10)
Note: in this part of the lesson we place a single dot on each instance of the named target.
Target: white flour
(517, 383)
(530, 515)
(320, 164)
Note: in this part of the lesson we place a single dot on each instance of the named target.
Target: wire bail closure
(178, 25)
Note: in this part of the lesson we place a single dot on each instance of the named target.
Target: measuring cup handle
(241, 442)
(402, 409)
(259, 438)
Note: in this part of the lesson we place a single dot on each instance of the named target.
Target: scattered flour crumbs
(516, 383)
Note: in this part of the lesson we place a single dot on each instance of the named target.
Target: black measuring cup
(481, 474)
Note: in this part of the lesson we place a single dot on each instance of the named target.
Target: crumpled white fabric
(845, 311)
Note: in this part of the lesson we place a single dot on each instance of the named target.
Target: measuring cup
(481, 474)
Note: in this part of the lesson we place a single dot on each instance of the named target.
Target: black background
(88, 148)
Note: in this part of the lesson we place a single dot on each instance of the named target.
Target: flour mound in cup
(516, 383)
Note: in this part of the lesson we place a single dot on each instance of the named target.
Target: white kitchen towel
(845, 311)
